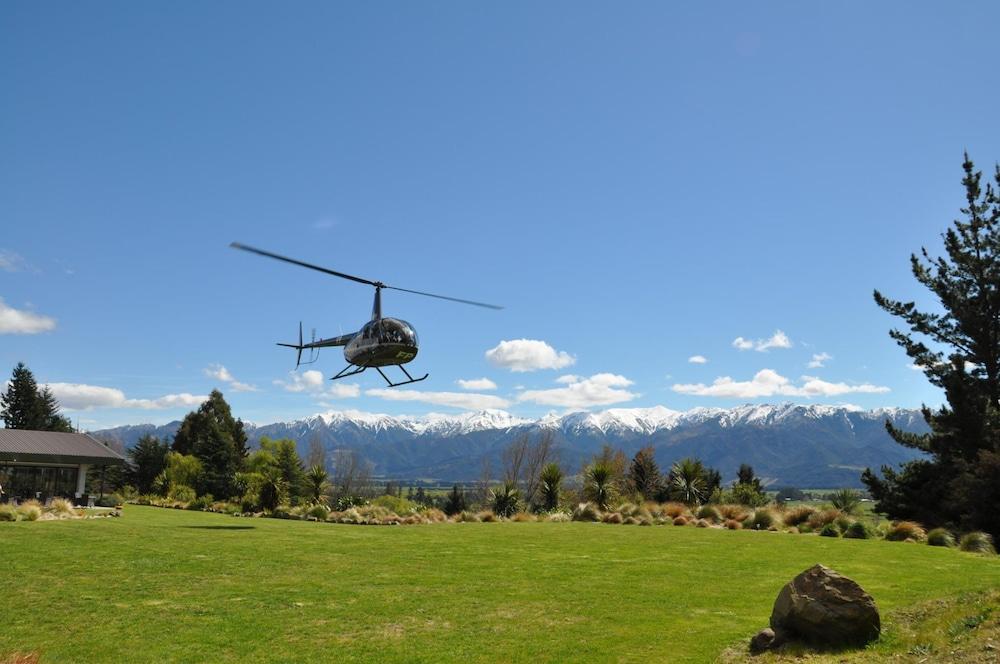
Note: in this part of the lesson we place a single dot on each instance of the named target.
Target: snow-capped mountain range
(798, 445)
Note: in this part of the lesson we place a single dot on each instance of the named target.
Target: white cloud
(818, 360)
(11, 262)
(476, 384)
(219, 372)
(76, 396)
(698, 359)
(312, 381)
(463, 400)
(768, 383)
(18, 321)
(528, 355)
(599, 390)
(777, 340)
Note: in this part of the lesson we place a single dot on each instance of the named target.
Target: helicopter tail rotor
(301, 347)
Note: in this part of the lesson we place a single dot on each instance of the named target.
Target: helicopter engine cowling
(383, 342)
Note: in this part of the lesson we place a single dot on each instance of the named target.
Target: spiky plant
(598, 487)
(687, 480)
(551, 478)
(846, 500)
(505, 499)
(317, 484)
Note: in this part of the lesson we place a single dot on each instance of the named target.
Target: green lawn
(165, 585)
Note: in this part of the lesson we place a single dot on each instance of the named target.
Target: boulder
(825, 609)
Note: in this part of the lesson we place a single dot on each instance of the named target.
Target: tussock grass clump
(797, 515)
(764, 519)
(318, 512)
(627, 509)
(680, 521)
(586, 512)
(486, 516)
(467, 517)
(612, 517)
(733, 524)
(523, 517)
(30, 510)
(940, 537)
(630, 521)
(820, 518)
(8, 512)
(708, 512)
(61, 507)
(703, 523)
(558, 517)
(645, 521)
(433, 515)
(977, 542)
(900, 531)
(674, 510)
(858, 530)
(734, 512)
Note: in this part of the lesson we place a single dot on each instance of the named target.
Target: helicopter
(381, 342)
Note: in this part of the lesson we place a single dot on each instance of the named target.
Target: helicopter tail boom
(315, 345)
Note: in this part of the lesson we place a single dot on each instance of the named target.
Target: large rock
(823, 608)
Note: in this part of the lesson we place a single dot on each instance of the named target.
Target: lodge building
(46, 464)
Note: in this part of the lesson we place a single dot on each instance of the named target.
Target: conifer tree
(644, 474)
(147, 459)
(25, 406)
(958, 349)
(217, 440)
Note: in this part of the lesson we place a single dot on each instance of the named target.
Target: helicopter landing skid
(346, 371)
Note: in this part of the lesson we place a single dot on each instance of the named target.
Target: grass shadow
(220, 527)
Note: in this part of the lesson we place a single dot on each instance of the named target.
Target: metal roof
(51, 447)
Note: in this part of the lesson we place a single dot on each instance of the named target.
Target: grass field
(167, 585)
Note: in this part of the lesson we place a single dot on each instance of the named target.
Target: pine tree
(958, 349)
(25, 406)
(217, 440)
(147, 459)
(455, 502)
(644, 474)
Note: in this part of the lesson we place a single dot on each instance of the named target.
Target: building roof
(51, 447)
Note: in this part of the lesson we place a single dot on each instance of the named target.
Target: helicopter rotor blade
(445, 297)
(342, 275)
(268, 254)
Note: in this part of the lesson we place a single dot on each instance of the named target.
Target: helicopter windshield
(395, 331)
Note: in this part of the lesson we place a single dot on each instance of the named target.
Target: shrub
(200, 503)
(709, 512)
(487, 516)
(733, 524)
(763, 519)
(703, 523)
(586, 512)
(396, 504)
(805, 528)
(797, 515)
(747, 494)
(977, 542)
(843, 522)
(940, 537)
(433, 515)
(674, 510)
(845, 500)
(904, 530)
(467, 517)
(8, 512)
(858, 530)
(523, 517)
(558, 517)
(830, 530)
(182, 493)
(627, 509)
(30, 510)
(318, 512)
(612, 517)
(631, 521)
(680, 521)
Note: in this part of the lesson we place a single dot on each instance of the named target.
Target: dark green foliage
(273, 491)
(687, 481)
(550, 481)
(745, 475)
(747, 490)
(505, 499)
(289, 466)
(713, 480)
(958, 350)
(24, 406)
(218, 440)
(599, 484)
(830, 530)
(455, 503)
(857, 530)
(940, 537)
(977, 542)
(845, 500)
(644, 474)
(146, 460)
(317, 484)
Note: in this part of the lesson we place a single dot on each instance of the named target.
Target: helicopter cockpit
(390, 331)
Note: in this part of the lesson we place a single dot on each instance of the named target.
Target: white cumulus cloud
(528, 355)
(777, 340)
(77, 396)
(476, 384)
(769, 383)
(819, 360)
(312, 381)
(18, 321)
(698, 359)
(463, 400)
(599, 390)
(221, 373)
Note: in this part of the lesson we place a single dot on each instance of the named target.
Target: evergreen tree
(958, 349)
(217, 440)
(455, 501)
(644, 474)
(25, 406)
(147, 459)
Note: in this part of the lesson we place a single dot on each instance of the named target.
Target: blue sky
(639, 184)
